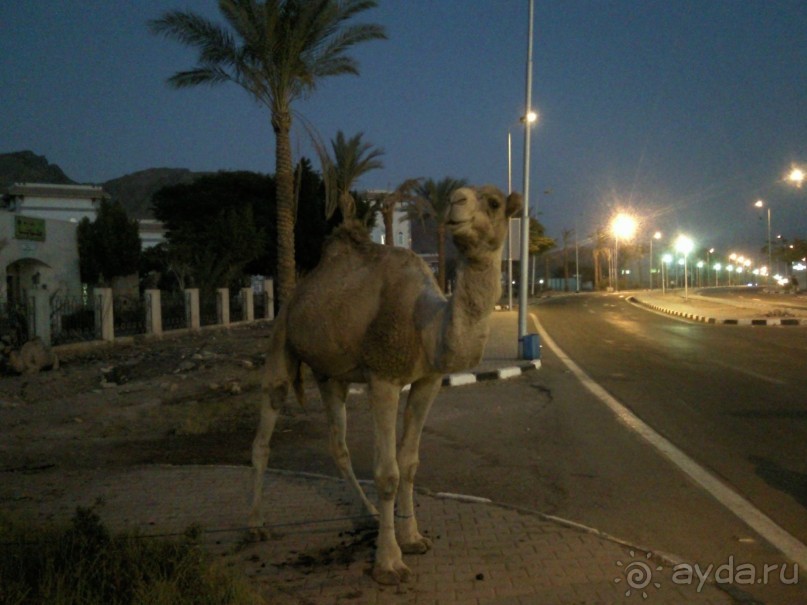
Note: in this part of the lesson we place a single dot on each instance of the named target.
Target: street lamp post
(684, 246)
(665, 262)
(623, 226)
(509, 224)
(761, 204)
(656, 235)
(525, 215)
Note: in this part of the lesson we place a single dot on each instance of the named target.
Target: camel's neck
(465, 324)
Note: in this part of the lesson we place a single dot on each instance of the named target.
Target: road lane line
(766, 527)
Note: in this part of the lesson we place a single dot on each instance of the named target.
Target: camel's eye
(494, 204)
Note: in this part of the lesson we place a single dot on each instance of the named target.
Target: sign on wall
(28, 228)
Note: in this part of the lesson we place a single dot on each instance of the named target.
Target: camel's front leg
(417, 409)
(389, 567)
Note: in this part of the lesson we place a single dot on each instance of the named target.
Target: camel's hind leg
(417, 409)
(334, 395)
(272, 399)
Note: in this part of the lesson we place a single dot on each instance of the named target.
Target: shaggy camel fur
(375, 314)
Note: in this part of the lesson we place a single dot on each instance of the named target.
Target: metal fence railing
(208, 309)
(173, 310)
(72, 319)
(129, 313)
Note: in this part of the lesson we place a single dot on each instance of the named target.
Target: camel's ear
(514, 202)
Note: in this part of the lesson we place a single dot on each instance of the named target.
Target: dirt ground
(190, 399)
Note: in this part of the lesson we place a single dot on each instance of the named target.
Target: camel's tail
(283, 367)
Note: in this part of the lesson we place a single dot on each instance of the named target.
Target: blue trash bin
(530, 346)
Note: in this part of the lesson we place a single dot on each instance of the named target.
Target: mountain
(133, 190)
(27, 167)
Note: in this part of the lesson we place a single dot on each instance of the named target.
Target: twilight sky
(682, 111)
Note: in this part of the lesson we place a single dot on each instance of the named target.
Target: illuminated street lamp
(656, 235)
(665, 271)
(623, 226)
(761, 204)
(796, 177)
(717, 269)
(684, 245)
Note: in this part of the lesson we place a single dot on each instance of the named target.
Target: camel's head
(477, 219)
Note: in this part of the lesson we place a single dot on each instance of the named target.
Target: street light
(684, 245)
(796, 176)
(761, 204)
(717, 269)
(525, 211)
(623, 226)
(656, 235)
(665, 261)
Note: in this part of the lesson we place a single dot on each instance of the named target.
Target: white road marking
(766, 527)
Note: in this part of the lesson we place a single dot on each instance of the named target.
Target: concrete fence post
(40, 323)
(192, 315)
(248, 303)
(104, 314)
(154, 313)
(223, 306)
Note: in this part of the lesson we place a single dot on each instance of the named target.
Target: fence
(65, 320)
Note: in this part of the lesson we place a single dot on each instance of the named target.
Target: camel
(33, 357)
(374, 314)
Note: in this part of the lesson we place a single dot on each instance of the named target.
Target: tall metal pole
(525, 213)
(770, 257)
(509, 224)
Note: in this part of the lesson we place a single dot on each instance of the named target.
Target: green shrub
(83, 564)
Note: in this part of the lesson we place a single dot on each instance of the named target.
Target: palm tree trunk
(441, 256)
(389, 235)
(286, 210)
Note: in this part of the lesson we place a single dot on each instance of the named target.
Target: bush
(85, 564)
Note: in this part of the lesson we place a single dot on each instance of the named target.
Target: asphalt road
(733, 398)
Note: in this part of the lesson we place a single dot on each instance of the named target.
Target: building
(38, 248)
(400, 227)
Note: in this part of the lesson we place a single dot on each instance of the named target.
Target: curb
(777, 321)
(464, 378)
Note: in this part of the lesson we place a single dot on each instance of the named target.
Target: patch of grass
(84, 564)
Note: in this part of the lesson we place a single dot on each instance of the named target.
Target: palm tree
(387, 202)
(277, 51)
(433, 199)
(351, 159)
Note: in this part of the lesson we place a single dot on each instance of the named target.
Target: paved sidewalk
(322, 546)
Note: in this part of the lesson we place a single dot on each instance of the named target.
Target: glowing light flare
(796, 176)
(684, 245)
(623, 226)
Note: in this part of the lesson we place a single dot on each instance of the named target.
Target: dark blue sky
(685, 112)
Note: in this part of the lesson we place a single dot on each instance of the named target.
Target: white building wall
(400, 227)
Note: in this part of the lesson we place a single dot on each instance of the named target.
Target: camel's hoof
(418, 547)
(391, 577)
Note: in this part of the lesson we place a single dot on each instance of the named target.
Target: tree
(351, 159)
(277, 51)
(433, 199)
(109, 246)
(216, 226)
